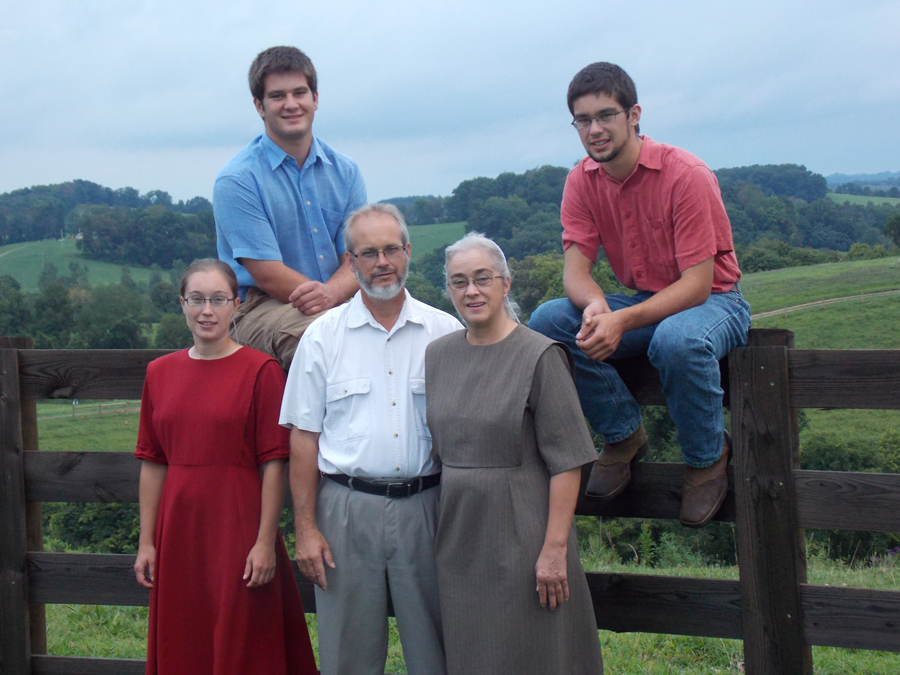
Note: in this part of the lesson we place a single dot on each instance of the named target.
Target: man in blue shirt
(280, 206)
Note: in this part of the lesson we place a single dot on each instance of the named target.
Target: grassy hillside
(426, 238)
(25, 261)
(766, 291)
(862, 200)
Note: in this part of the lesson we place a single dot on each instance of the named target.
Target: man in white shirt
(364, 483)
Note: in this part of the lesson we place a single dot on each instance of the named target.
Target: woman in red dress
(223, 599)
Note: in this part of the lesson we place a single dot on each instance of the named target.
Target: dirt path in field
(13, 250)
(822, 303)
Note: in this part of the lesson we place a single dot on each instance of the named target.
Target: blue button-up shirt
(269, 208)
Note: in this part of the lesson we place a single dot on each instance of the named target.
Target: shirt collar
(359, 315)
(650, 157)
(276, 155)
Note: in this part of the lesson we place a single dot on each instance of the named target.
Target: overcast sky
(153, 94)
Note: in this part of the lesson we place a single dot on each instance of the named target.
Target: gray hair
(387, 209)
(489, 246)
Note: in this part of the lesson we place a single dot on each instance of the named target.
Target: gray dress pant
(381, 547)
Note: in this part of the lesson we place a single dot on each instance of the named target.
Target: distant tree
(14, 313)
(164, 296)
(126, 280)
(49, 274)
(52, 317)
(892, 228)
(785, 180)
(112, 318)
(78, 275)
(172, 333)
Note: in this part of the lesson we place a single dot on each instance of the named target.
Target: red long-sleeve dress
(213, 423)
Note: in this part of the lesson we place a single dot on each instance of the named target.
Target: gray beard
(381, 292)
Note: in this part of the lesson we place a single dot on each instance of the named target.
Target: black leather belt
(391, 489)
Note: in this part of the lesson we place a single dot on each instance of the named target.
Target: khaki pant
(269, 325)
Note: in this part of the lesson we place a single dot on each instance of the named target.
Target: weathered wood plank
(81, 477)
(868, 501)
(82, 665)
(87, 373)
(825, 378)
(766, 517)
(857, 618)
(848, 501)
(15, 638)
(659, 604)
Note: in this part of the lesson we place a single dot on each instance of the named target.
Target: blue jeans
(685, 348)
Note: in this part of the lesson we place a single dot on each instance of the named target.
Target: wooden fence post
(34, 531)
(769, 541)
(15, 641)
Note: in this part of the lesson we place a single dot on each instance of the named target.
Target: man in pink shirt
(658, 214)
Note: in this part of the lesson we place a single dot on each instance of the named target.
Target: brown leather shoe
(611, 472)
(704, 490)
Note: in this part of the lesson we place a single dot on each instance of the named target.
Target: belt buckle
(404, 486)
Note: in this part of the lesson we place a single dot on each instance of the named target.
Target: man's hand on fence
(312, 554)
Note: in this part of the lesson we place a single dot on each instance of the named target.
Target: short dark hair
(602, 78)
(209, 265)
(280, 60)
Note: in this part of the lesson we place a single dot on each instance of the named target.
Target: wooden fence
(771, 608)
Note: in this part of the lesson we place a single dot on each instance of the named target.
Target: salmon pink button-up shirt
(666, 216)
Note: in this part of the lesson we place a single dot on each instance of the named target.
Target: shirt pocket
(348, 410)
(417, 388)
(662, 242)
(333, 220)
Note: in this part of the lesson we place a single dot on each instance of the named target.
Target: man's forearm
(274, 277)
(344, 283)
(304, 477)
(580, 287)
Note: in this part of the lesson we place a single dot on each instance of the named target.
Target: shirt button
(308, 203)
(395, 435)
(390, 372)
(315, 229)
(321, 257)
(396, 468)
(393, 402)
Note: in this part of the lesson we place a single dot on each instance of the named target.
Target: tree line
(67, 313)
(51, 211)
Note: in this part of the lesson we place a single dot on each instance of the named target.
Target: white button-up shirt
(362, 388)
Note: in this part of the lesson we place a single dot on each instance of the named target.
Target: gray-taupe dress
(504, 418)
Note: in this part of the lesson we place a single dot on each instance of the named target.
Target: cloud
(424, 95)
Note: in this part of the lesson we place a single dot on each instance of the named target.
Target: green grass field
(767, 291)
(25, 261)
(426, 238)
(861, 200)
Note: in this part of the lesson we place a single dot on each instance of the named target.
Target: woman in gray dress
(507, 426)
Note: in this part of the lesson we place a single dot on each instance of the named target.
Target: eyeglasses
(199, 300)
(370, 255)
(604, 118)
(462, 283)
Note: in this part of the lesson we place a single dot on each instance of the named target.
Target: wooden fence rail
(771, 608)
